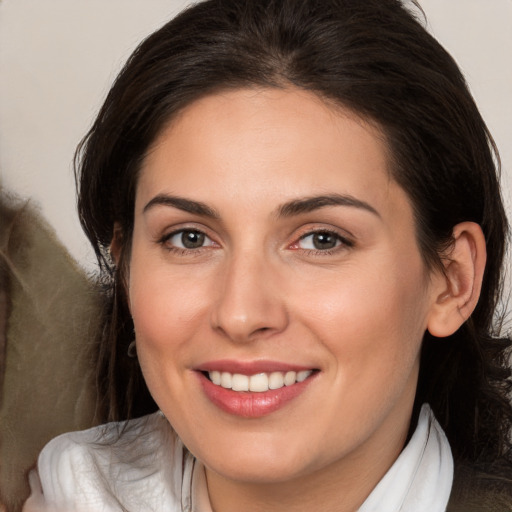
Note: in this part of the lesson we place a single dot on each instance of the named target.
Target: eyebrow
(309, 204)
(289, 209)
(186, 205)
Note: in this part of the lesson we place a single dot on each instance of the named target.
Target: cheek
(168, 312)
(371, 316)
(168, 308)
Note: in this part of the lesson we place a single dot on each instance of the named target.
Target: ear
(456, 291)
(117, 243)
(122, 270)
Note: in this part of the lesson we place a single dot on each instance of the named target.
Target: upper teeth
(258, 383)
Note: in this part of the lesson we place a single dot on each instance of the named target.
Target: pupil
(192, 239)
(324, 241)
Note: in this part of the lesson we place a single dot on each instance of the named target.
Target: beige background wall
(58, 57)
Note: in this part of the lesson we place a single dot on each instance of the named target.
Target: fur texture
(48, 319)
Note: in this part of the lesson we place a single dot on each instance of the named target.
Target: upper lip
(250, 367)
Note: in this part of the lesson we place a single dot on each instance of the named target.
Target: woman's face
(273, 254)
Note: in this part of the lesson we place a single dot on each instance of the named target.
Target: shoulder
(482, 488)
(116, 466)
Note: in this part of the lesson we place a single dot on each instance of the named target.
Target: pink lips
(249, 404)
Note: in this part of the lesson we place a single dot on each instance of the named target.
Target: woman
(298, 205)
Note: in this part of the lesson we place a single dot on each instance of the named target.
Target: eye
(320, 241)
(188, 239)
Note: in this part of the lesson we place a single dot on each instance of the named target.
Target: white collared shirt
(148, 469)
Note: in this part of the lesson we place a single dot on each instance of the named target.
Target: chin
(258, 471)
(261, 459)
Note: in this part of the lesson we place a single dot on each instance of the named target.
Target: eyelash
(341, 242)
(184, 251)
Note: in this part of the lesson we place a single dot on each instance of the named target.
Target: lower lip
(248, 404)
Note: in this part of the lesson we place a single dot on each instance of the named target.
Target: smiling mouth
(253, 390)
(259, 382)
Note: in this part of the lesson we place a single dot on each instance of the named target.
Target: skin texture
(258, 290)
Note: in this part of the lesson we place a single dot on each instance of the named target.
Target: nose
(250, 301)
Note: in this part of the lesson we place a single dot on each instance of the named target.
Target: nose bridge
(249, 304)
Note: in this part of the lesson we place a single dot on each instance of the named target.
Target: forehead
(268, 143)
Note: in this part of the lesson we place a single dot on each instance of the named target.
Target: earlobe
(457, 289)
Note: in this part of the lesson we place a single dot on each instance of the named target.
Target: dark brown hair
(373, 57)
